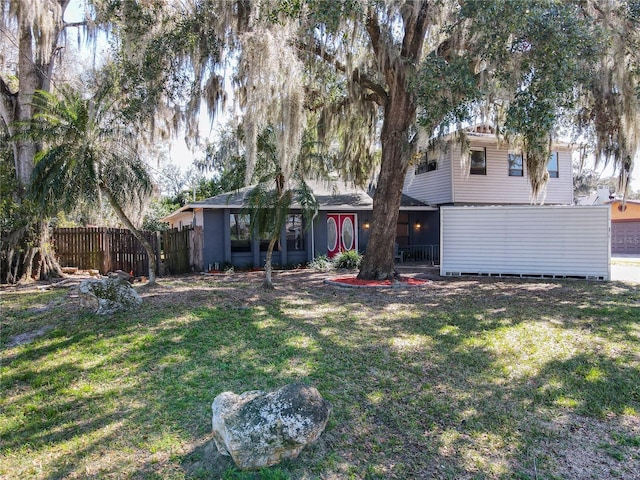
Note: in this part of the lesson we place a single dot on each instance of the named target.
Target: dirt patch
(28, 337)
(587, 448)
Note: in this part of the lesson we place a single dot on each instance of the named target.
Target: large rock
(259, 429)
(108, 295)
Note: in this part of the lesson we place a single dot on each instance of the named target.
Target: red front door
(341, 233)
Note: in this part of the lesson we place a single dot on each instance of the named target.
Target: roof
(330, 195)
(485, 133)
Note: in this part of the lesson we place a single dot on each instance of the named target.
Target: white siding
(199, 218)
(498, 187)
(526, 240)
(182, 219)
(433, 187)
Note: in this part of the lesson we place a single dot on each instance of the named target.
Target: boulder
(259, 429)
(108, 295)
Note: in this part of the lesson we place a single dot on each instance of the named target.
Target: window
(240, 234)
(295, 232)
(515, 165)
(478, 162)
(402, 229)
(434, 155)
(427, 165)
(552, 166)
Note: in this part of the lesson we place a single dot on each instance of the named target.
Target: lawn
(461, 378)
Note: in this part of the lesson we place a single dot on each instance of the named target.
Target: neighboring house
(492, 176)
(625, 227)
(625, 223)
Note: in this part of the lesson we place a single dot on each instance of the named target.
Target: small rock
(121, 274)
(260, 429)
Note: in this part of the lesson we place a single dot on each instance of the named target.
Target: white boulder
(259, 429)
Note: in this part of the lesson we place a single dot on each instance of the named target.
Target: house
(487, 223)
(341, 223)
(493, 177)
(625, 227)
(493, 174)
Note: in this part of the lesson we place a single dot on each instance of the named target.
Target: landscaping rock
(108, 295)
(260, 429)
(121, 274)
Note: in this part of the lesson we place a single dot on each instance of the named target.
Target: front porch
(418, 253)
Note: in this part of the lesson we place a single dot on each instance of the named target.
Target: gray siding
(526, 240)
(497, 187)
(213, 248)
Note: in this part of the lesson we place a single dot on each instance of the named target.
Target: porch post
(227, 235)
(284, 254)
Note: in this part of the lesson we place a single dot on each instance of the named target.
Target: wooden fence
(110, 249)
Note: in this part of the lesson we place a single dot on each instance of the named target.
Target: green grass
(468, 378)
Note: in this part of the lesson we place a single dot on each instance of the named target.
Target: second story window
(427, 165)
(478, 161)
(552, 166)
(515, 165)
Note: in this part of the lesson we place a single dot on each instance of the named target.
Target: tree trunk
(151, 254)
(268, 283)
(378, 260)
(32, 78)
(31, 242)
(397, 147)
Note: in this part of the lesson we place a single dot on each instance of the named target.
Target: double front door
(341, 233)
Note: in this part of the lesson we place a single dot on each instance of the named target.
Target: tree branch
(378, 95)
(7, 103)
(415, 27)
(373, 29)
(74, 24)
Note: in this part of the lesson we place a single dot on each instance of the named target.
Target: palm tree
(87, 153)
(271, 199)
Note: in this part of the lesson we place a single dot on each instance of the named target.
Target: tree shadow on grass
(416, 389)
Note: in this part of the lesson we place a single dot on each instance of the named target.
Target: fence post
(158, 248)
(106, 248)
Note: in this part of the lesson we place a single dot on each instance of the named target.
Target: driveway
(625, 268)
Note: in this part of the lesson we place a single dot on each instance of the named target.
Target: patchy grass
(463, 378)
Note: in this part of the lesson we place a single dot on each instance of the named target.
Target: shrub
(321, 263)
(350, 260)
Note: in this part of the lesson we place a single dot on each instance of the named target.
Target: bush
(350, 260)
(321, 263)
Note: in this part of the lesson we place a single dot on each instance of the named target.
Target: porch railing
(420, 253)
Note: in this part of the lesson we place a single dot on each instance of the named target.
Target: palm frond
(83, 150)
